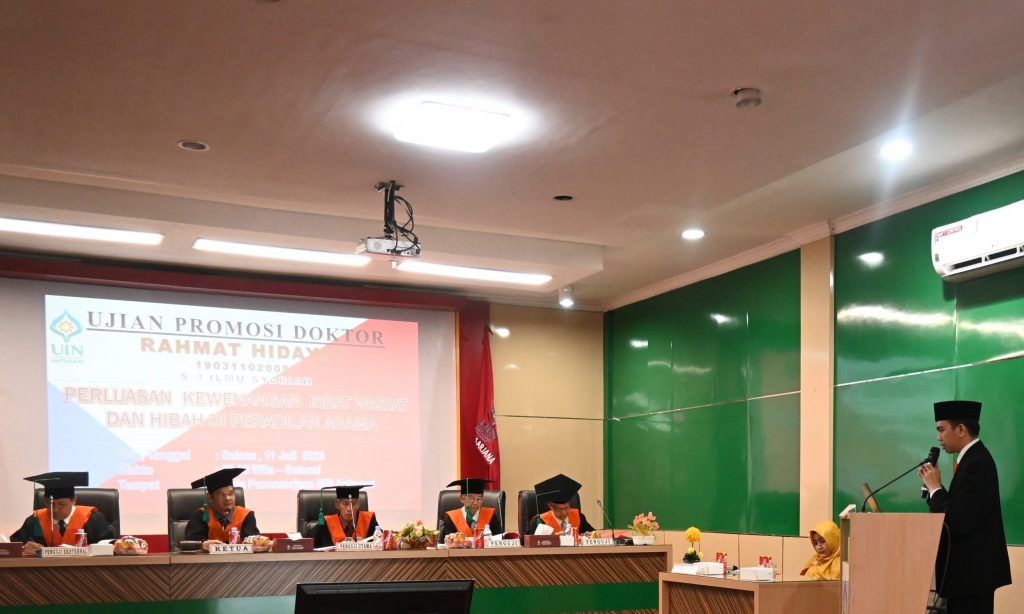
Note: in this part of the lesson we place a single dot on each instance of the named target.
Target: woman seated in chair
(824, 565)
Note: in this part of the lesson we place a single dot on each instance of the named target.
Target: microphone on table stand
(617, 540)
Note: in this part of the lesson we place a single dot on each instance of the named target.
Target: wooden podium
(888, 561)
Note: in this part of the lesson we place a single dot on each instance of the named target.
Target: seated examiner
(349, 522)
(43, 529)
(472, 514)
(556, 493)
(212, 523)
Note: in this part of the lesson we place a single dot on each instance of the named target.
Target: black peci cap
(60, 484)
(958, 410)
(217, 479)
(559, 489)
(470, 486)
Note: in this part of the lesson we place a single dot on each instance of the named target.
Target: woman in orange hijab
(824, 565)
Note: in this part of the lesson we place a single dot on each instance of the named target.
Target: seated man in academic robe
(472, 515)
(560, 517)
(212, 523)
(348, 523)
(59, 523)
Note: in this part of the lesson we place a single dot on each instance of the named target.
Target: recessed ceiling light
(563, 197)
(462, 272)
(896, 150)
(872, 259)
(692, 234)
(193, 145)
(279, 253)
(448, 126)
(89, 233)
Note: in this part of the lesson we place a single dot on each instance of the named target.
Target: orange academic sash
(549, 519)
(338, 534)
(224, 533)
(459, 520)
(77, 521)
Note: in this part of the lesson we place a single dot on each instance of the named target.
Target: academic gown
(96, 528)
(322, 535)
(449, 526)
(199, 530)
(974, 547)
(585, 527)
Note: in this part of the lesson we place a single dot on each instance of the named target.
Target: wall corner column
(817, 306)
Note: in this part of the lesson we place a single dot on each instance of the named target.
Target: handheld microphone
(933, 457)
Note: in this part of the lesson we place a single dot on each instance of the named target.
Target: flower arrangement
(645, 523)
(416, 536)
(693, 555)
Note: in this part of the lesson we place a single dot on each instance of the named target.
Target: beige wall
(549, 396)
(816, 379)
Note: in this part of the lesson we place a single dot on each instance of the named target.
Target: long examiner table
(591, 579)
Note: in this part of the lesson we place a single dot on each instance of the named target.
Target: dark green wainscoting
(515, 600)
(703, 405)
(905, 339)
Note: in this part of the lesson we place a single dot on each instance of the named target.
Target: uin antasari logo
(66, 326)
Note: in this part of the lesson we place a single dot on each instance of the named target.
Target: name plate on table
(230, 548)
(63, 552)
(541, 541)
(597, 541)
(293, 545)
(502, 543)
(11, 549)
(356, 545)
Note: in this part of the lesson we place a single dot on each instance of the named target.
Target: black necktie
(62, 526)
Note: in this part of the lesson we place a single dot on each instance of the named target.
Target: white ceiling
(627, 106)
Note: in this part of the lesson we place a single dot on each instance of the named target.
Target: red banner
(482, 439)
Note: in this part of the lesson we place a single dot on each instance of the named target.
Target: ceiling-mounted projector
(399, 240)
(385, 246)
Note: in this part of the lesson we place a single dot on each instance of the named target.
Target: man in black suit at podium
(972, 561)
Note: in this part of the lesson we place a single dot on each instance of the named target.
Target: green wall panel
(990, 317)
(773, 505)
(640, 372)
(893, 318)
(709, 458)
(703, 354)
(1000, 388)
(899, 317)
(882, 428)
(942, 340)
(634, 473)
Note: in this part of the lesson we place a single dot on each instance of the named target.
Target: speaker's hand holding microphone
(929, 473)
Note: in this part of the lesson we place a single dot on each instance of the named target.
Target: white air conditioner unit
(982, 244)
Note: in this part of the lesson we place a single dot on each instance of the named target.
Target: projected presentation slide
(155, 395)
